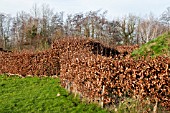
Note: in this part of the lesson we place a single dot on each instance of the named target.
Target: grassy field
(39, 95)
(155, 47)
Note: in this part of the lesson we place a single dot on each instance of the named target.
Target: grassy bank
(39, 95)
(155, 47)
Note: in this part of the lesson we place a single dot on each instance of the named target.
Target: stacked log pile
(106, 79)
(30, 63)
(127, 49)
(94, 71)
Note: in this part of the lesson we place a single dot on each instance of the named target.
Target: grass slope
(155, 47)
(39, 95)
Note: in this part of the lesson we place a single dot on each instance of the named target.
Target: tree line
(39, 27)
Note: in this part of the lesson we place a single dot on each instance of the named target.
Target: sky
(115, 8)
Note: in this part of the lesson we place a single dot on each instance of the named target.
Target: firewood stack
(127, 49)
(29, 63)
(87, 74)
(86, 70)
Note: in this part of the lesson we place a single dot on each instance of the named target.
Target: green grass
(39, 95)
(155, 47)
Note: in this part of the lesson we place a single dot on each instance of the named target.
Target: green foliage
(156, 47)
(37, 95)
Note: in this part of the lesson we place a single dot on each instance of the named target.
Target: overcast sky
(115, 8)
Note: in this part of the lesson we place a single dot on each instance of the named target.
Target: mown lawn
(39, 95)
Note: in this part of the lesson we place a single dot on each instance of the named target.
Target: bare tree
(5, 26)
(149, 28)
(57, 25)
(1, 30)
(127, 26)
(19, 30)
(165, 17)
